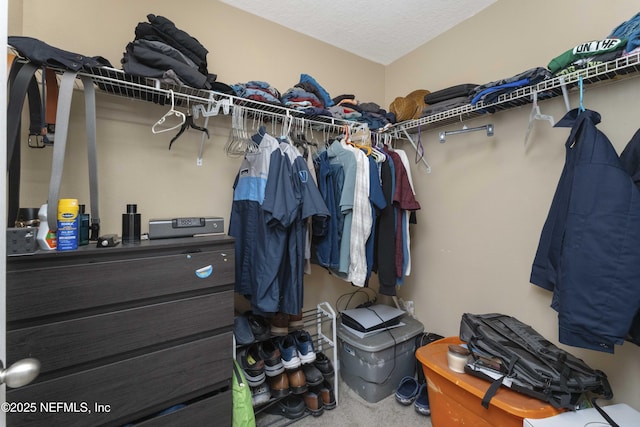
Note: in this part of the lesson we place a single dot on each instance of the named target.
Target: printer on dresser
(124, 333)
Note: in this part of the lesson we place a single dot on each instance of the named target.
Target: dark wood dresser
(124, 333)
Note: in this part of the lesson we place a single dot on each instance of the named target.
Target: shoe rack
(320, 322)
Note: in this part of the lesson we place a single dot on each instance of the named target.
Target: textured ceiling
(381, 31)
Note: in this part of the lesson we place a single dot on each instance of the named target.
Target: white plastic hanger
(536, 115)
(213, 110)
(157, 126)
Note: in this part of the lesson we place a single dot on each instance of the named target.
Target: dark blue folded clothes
(147, 58)
(40, 53)
(375, 120)
(316, 111)
(490, 92)
(498, 90)
(461, 90)
(160, 28)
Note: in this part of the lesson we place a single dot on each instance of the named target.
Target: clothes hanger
(350, 141)
(214, 108)
(157, 126)
(581, 86)
(188, 123)
(536, 115)
(419, 146)
(238, 143)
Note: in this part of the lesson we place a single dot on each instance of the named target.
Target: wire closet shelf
(616, 69)
(117, 82)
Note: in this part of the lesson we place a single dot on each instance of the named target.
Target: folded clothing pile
(490, 92)
(162, 51)
(447, 98)
(257, 90)
(586, 55)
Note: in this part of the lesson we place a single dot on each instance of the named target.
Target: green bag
(243, 415)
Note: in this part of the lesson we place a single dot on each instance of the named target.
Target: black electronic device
(107, 241)
(184, 227)
(367, 319)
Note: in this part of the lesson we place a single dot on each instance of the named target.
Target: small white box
(622, 414)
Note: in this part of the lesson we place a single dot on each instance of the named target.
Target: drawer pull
(20, 373)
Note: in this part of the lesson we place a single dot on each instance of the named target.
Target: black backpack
(508, 352)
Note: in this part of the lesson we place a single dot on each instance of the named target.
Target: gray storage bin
(373, 366)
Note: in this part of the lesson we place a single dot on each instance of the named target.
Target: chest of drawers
(124, 333)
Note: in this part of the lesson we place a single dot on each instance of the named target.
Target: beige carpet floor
(354, 411)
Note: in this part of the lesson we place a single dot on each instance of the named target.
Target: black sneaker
(324, 365)
(270, 353)
(292, 407)
(252, 365)
(313, 375)
(259, 326)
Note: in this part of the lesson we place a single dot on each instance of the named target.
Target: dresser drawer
(213, 411)
(117, 334)
(56, 285)
(132, 388)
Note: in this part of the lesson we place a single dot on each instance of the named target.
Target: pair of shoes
(325, 366)
(291, 407)
(289, 352)
(270, 353)
(325, 391)
(297, 381)
(252, 365)
(314, 403)
(280, 324)
(304, 343)
(421, 404)
(407, 390)
(296, 348)
(260, 395)
(295, 322)
(312, 374)
(242, 330)
(259, 326)
(279, 385)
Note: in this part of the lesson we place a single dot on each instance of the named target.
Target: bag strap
(21, 78)
(63, 112)
(50, 103)
(495, 385)
(603, 413)
(92, 154)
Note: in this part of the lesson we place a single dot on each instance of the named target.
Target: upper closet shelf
(211, 103)
(618, 68)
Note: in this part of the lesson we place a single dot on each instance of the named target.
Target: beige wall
(486, 199)
(483, 205)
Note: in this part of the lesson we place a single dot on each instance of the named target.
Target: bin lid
(433, 357)
(384, 338)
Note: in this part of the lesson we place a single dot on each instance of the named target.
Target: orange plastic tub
(455, 398)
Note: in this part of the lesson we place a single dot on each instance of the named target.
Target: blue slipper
(407, 390)
(421, 404)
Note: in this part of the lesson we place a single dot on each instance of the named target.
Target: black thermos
(83, 226)
(131, 225)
